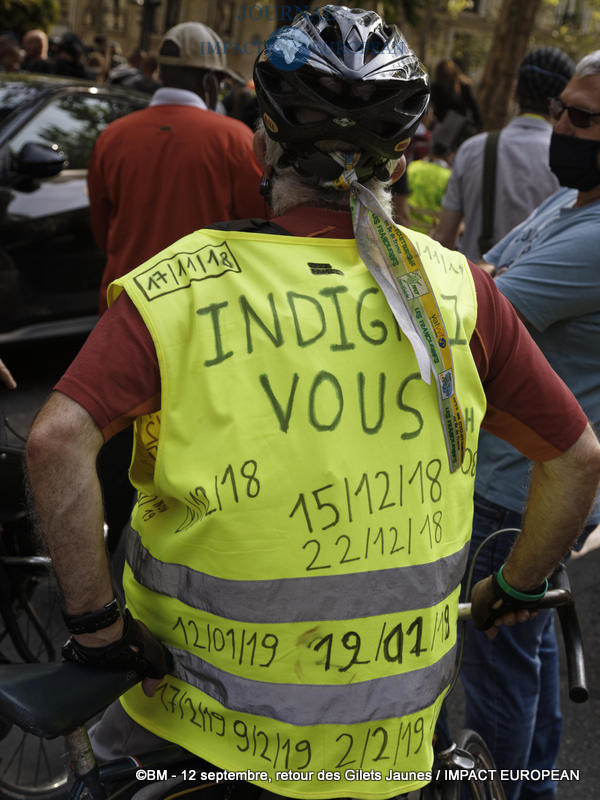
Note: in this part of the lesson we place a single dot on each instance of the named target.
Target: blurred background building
(486, 38)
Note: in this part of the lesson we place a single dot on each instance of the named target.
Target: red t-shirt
(161, 173)
(116, 378)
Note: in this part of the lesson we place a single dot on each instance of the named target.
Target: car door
(50, 267)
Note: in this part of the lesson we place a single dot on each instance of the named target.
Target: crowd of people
(252, 283)
(69, 56)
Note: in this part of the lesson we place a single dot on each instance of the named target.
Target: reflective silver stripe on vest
(394, 696)
(362, 594)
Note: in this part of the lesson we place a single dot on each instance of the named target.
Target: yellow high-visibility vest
(298, 539)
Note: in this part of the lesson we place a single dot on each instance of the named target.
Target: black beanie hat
(543, 73)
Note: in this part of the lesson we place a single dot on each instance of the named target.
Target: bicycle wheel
(31, 767)
(487, 784)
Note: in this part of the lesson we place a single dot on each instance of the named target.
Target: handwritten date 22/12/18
(374, 543)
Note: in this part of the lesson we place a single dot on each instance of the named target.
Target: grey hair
(589, 65)
(288, 190)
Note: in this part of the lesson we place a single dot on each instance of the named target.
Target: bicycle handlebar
(559, 596)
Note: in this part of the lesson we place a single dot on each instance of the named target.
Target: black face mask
(574, 161)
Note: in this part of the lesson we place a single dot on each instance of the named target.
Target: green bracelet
(525, 597)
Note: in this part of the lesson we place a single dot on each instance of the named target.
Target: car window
(14, 94)
(73, 122)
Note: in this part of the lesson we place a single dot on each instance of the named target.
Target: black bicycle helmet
(357, 76)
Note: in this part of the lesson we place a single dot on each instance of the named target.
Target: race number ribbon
(396, 266)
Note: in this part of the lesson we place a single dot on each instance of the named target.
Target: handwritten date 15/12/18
(327, 506)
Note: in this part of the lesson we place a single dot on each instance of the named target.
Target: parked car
(50, 266)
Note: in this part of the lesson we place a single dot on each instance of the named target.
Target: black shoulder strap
(250, 226)
(488, 191)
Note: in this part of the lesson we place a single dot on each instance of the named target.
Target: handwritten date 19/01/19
(393, 645)
(329, 505)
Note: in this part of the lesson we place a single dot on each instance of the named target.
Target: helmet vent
(333, 39)
(354, 41)
(375, 46)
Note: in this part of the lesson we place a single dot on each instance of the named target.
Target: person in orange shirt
(161, 173)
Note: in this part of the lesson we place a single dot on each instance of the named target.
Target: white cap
(199, 46)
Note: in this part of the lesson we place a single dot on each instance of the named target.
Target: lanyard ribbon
(396, 266)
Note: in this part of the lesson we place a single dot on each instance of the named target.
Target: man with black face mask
(548, 268)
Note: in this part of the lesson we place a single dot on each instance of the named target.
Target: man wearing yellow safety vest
(306, 394)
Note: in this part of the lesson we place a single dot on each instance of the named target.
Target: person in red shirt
(159, 174)
(176, 166)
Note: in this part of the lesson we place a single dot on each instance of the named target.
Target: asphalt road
(37, 367)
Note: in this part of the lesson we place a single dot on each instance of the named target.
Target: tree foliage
(19, 16)
(572, 26)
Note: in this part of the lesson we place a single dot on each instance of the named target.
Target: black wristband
(137, 649)
(93, 621)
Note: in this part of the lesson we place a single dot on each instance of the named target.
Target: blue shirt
(553, 280)
(523, 179)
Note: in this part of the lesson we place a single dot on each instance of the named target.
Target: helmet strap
(266, 187)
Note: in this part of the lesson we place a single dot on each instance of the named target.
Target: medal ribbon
(396, 266)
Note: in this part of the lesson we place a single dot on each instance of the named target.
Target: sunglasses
(579, 117)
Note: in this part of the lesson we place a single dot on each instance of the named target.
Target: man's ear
(259, 145)
(400, 169)
(210, 90)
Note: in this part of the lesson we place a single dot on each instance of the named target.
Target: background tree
(18, 16)
(512, 32)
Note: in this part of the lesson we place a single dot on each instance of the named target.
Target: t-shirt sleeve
(100, 207)
(554, 281)
(453, 196)
(529, 405)
(115, 375)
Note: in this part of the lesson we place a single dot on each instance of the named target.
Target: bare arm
(561, 494)
(6, 377)
(447, 228)
(61, 458)
(489, 268)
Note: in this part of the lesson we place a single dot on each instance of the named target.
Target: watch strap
(93, 621)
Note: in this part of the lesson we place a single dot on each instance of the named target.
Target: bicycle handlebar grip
(573, 641)
(569, 623)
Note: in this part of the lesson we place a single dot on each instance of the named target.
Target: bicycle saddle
(51, 700)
